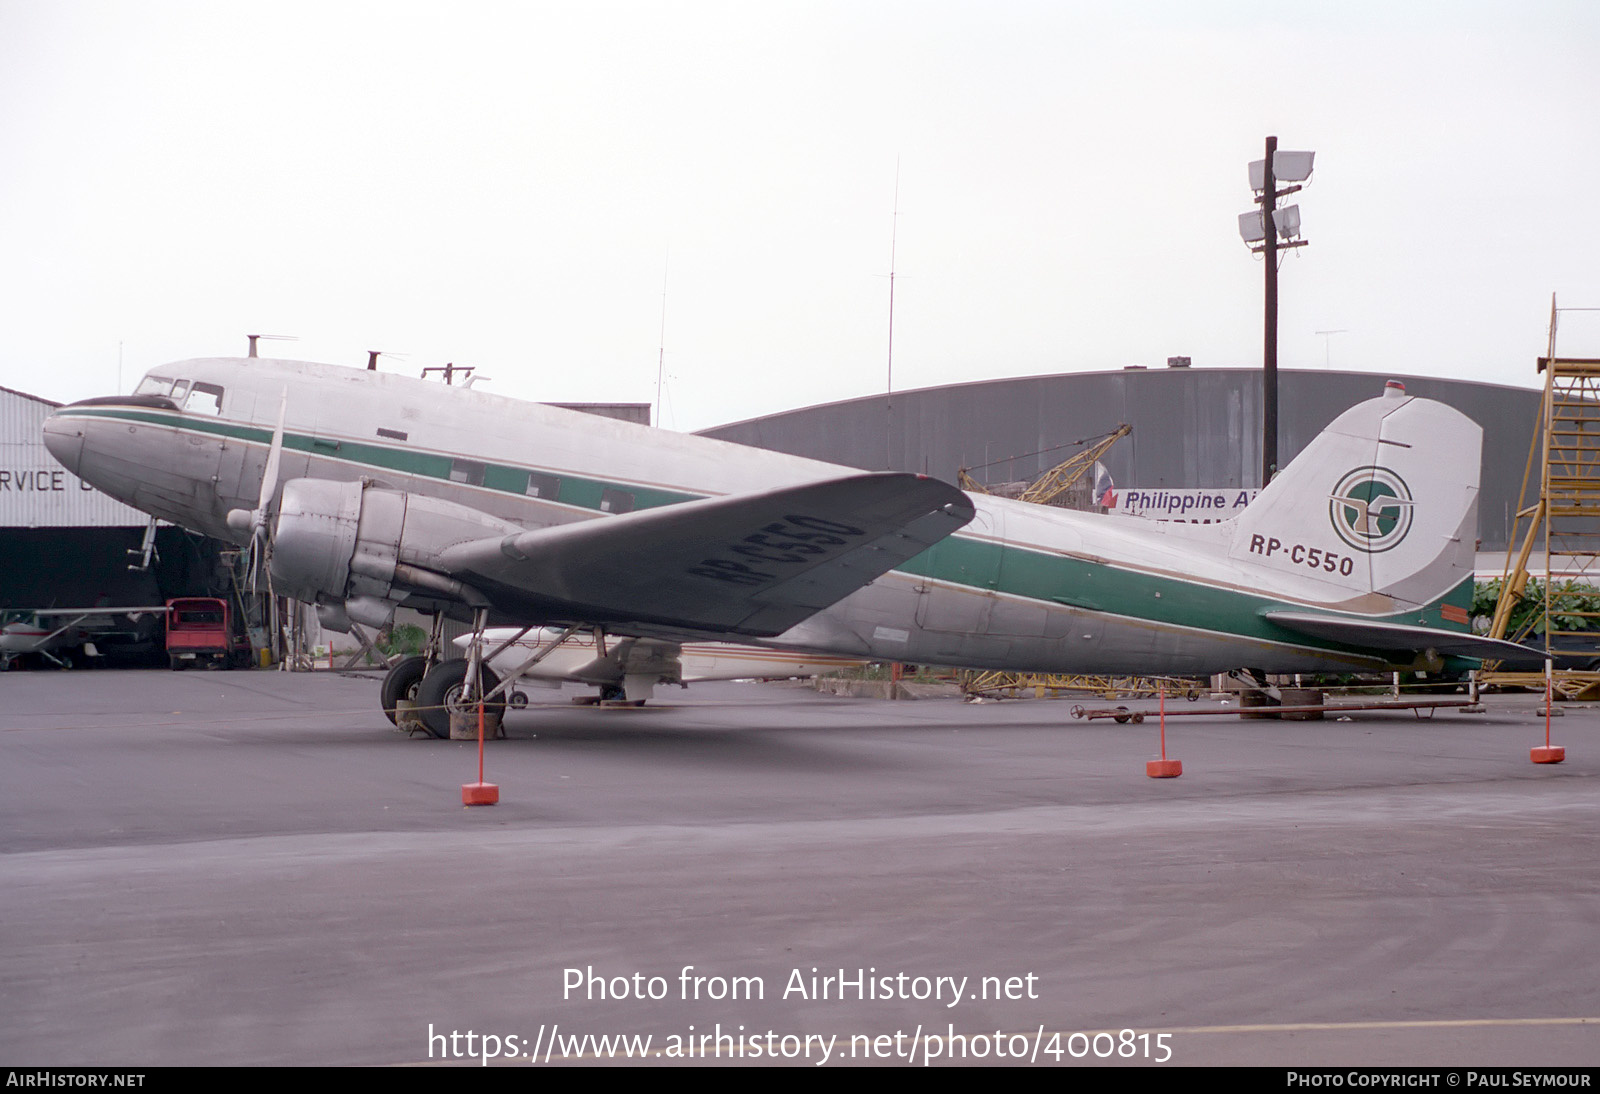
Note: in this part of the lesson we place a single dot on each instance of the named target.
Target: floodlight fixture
(1287, 221)
(1292, 166)
(1250, 227)
(1286, 167)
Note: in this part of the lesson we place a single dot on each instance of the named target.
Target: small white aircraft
(368, 490)
(639, 663)
(60, 636)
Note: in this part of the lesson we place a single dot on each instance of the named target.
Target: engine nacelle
(367, 546)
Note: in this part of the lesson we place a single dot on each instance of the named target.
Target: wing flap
(752, 564)
(1398, 637)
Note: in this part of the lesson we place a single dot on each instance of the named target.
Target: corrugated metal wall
(1191, 427)
(35, 490)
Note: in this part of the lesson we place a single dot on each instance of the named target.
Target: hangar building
(1192, 428)
(65, 544)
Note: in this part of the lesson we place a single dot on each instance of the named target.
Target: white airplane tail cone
(1377, 515)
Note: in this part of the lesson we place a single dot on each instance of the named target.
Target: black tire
(440, 692)
(402, 682)
(611, 693)
(177, 663)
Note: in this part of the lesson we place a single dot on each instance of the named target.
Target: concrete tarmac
(255, 868)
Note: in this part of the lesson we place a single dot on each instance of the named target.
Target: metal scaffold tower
(1565, 522)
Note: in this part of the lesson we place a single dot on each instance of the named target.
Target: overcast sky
(511, 185)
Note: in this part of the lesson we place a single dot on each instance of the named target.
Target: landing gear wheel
(440, 693)
(518, 700)
(610, 693)
(402, 683)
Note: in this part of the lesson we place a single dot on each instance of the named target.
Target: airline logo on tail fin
(1383, 501)
(1371, 509)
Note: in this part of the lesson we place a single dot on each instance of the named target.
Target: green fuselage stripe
(1037, 574)
(575, 490)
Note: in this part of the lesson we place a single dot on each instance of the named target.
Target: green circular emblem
(1371, 509)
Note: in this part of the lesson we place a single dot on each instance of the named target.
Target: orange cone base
(480, 794)
(1547, 754)
(1164, 769)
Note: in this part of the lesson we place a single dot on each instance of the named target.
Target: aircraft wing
(90, 613)
(1399, 637)
(750, 564)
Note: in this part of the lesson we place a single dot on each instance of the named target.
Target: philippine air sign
(1200, 506)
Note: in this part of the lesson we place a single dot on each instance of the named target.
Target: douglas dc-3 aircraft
(371, 490)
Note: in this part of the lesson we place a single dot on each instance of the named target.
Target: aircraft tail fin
(1377, 515)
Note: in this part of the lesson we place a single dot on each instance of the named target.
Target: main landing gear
(440, 687)
(449, 688)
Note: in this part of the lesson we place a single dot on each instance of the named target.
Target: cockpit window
(204, 398)
(154, 385)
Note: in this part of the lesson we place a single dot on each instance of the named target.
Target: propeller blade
(269, 477)
(260, 540)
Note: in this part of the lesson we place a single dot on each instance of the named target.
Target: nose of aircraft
(64, 439)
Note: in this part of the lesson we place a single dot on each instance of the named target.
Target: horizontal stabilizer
(1399, 637)
(752, 564)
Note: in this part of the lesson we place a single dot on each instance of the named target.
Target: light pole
(1268, 230)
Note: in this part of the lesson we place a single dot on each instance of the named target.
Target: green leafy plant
(402, 638)
(1570, 601)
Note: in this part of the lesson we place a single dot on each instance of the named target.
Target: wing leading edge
(749, 564)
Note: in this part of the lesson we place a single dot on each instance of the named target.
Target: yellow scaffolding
(1565, 519)
(1020, 685)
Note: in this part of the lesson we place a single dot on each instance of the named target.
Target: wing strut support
(472, 683)
(539, 655)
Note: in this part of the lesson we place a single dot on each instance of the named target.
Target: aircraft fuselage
(1021, 587)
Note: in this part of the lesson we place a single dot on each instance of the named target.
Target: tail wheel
(440, 694)
(402, 682)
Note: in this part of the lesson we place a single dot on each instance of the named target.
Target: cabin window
(543, 486)
(467, 471)
(204, 399)
(616, 501)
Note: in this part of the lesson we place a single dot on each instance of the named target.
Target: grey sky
(505, 185)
